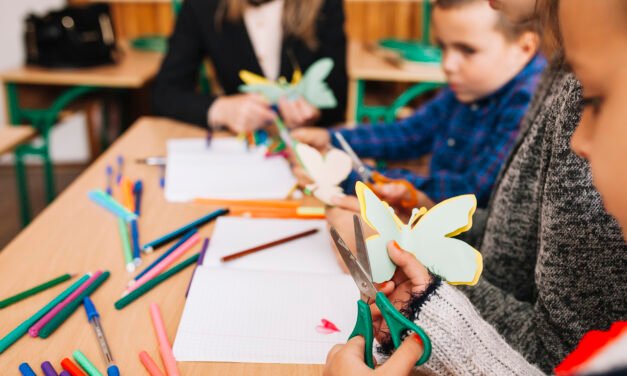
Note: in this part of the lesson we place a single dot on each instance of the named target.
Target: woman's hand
(410, 278)
(317, 138)
(241, 113)
(348, 359)
(298, 112)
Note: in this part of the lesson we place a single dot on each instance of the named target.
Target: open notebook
(266, 307)
(224, 170)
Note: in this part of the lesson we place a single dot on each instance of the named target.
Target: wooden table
(369, 63)
(75, 235)
(14, 135)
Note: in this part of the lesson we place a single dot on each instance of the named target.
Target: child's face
(477, 59)
(595, 40)
(515, 10)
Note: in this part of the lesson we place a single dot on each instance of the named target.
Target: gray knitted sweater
(555, 263)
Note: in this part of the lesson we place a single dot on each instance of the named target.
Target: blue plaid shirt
(468, 141)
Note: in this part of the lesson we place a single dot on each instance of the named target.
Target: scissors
(359, 268)
(370, 176)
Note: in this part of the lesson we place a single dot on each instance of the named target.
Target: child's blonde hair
(299, 17)
(511, 31)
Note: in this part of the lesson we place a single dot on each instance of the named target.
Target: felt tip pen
(152, 161)
(94, 319)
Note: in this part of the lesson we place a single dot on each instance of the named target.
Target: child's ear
(529, 42)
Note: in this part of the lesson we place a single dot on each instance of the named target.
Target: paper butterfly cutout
(312, 86)
(326, 171)
(326, 327)
(428, 235)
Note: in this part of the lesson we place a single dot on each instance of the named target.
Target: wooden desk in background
(366, 63)
(12, 136)
(75, 235)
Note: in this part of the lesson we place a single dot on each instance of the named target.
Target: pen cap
(138, 186)
(90, 309)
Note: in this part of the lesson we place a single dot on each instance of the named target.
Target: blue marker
(109, 172)
(165, 254)
(94, 319)
(137, 193)
(25, 370)
(120, 169)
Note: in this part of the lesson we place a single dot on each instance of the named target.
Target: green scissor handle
(363, 327)
(399, 324)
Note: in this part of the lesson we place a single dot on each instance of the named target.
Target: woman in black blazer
(311, 29)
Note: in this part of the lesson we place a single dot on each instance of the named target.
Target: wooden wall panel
(366, 20)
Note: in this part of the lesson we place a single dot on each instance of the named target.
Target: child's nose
(450, 62)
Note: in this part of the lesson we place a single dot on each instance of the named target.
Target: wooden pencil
(269, 245)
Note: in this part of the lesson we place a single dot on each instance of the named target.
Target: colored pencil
(66, 312)
(48, 369)
(269, 245)
(149, 364)
(72, 368)
(167, 357)
(85, 363)
(34, 330)
(34, 290)
(107, 202)
(25, 370)
(201, 258)
(298, 213)
(249, 203)
(141, 290)
(178, 232)
(165, 254)
(22, 329)
(169, 260)
(126, 246)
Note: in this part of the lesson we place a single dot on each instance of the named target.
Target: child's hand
(348, 359)
(241, 112)
(350, 203)
(298, 112)
(318, 138)
(411, 277)
(302, 178)
(394, 193)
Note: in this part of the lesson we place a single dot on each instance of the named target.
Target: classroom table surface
(12, 136)
(134, 69)
(368, 62)
(75, 235)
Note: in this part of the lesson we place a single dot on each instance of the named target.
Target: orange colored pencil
(249, 203)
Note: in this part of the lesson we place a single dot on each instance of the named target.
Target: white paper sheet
(311, 254)
(225, 170)
(249, 316)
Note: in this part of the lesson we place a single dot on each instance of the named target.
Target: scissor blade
(362, 250)
(358, 165)
(360, 276)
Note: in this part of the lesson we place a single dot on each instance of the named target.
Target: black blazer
(230, 50)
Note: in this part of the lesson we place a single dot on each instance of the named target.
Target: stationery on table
(109, 174)
(107, 202)
(201, 258)
(65, 373)
(303, 212)
(126, 246)
(164, 345)
(358, 265)
(48, 369)
(34, 290)
(149, 364)
(94, 319)
(26, 370)
(85, 363)
(22, 329)
(152, 161)
(141, 290)
(120, 174)
(149, 247)
(229, 171)
(71, 367)
(165, 254)
(271, 244)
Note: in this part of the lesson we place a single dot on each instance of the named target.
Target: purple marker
(109, 172)
(48, 369)
(120, 169)
(201, 258)
(209, 137)
(65, 373)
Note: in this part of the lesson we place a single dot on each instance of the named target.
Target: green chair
(43, 120)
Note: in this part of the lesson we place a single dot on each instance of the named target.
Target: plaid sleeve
(479, 179)
(401, 140)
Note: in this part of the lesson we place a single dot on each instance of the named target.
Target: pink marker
(34, 330)
(164, 346)
(164, 263)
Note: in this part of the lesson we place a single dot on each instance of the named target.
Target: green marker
(86, 364)
(22, 329)
(126, 246)
(32, 291)
(67, 311)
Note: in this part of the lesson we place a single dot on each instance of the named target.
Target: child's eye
(592, 102)
(467, 50)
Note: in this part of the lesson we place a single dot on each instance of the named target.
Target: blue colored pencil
(176, 233)
(167, 253)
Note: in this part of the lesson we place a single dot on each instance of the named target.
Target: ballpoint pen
(94, 319)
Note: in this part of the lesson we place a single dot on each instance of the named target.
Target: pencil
(249, 203)
(34, 290)
(151, 367)
(66, 312)
(164, 346)
(161, 266)
(297, 213)
(22, 329)
(178, 232)
(269, 245)
(141, 290)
